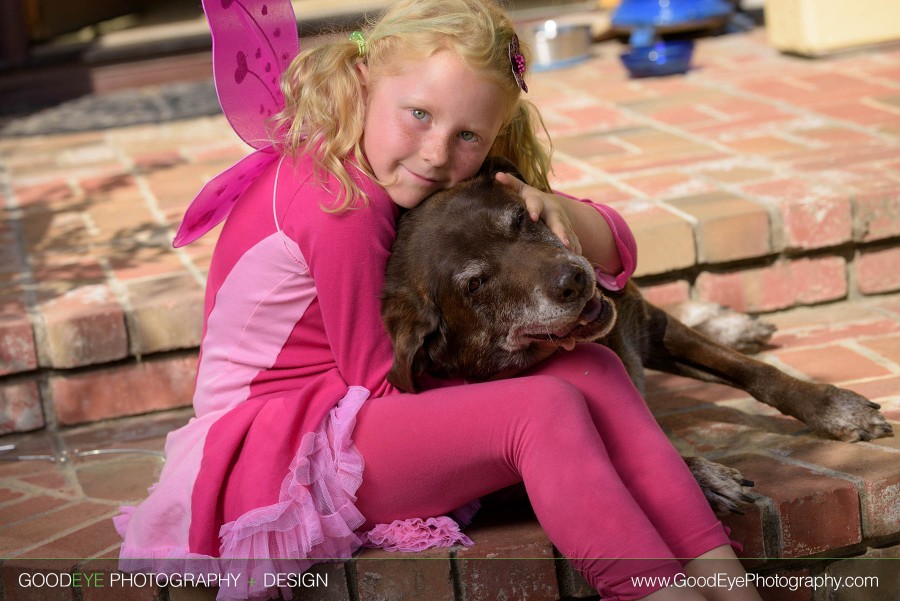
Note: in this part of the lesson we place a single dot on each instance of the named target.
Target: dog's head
(473, 284)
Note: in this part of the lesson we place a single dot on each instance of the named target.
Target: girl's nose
(436, 149)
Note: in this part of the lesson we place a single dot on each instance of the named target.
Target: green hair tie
(360, 40)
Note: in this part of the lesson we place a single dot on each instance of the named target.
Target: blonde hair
(324, 114)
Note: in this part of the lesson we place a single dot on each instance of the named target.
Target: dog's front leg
(825, 409)
(722, 486)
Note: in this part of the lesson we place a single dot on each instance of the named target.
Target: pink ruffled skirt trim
(314, 520)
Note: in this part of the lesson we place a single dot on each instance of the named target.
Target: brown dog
(473, 283)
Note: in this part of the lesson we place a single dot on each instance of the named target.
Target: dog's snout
(568, 283)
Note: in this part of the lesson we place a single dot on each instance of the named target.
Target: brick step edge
(444, 576)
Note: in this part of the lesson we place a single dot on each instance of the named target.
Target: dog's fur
(473, 283)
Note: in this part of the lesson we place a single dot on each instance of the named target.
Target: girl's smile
(429, 126)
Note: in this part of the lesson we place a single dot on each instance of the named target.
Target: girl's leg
(430, 453)
(710, 565)
(645, 459)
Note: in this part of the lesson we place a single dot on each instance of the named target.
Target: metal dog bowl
(558, 45)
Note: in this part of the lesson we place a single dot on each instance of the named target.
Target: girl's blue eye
(419, 114)
(468, 136)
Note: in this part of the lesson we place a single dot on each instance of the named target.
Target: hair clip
(517, 62)
(360, 40)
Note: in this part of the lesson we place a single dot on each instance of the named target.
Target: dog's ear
(494, 165)
(409, 319)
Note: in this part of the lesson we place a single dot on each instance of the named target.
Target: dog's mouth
(595, 320)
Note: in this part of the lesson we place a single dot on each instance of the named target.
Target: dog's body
(473, 285)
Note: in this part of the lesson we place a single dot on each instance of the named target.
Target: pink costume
(265, 478)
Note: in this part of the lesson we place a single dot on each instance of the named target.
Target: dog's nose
(568, 283)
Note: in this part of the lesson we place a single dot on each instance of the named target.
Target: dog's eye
(474, 285)
(521, 218)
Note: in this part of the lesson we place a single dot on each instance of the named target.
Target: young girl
(301, 450)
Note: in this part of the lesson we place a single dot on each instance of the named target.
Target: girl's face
(429, 126)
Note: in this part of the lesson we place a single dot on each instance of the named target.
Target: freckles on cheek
(469, 165)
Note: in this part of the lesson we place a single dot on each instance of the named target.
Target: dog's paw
(742, 332)
(724, 487)
(842, 414)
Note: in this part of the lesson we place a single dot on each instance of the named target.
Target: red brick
(877, 389)
(155, 161)
(685, 116)
(747, 531)
(83, 327)
(667, 184)
(833, 363)
(7, 495)
(876, 215)
(814, 512)
(48, 525)
(144, 263)
(588, 145)
(812, 216)
(109, 185)
(719, 428)
(782, 285)
(763, 145)
(857, 112)
(65, 272)
(592, 117)
(81, 544)
(838, 136)
(128, 389)
(878, 271)
(817, 224)
(20, 407)
(46, 193)
(17, 350)
(887, 346)
(384, 576)
(597, 192)
(728, 228)
(665, 241)
(25, 510)
(874, 470)
(167, 313)
(508, 561)
(829, 328)
(667, 294)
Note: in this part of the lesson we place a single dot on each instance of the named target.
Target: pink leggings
(603, 479)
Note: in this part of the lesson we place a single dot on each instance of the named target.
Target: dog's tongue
(591, 311)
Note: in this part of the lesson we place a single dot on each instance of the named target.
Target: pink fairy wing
(253, 43)
(218, 196)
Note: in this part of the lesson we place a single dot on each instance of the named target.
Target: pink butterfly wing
(253, 43)
(218, 196)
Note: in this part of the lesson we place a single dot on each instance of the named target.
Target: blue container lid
(665, 13)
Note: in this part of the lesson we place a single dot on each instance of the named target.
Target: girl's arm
(593, 230)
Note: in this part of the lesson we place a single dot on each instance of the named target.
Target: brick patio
(764, 182)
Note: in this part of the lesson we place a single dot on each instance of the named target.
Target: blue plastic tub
(662, 58)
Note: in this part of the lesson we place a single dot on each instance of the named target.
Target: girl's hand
(548, 207)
